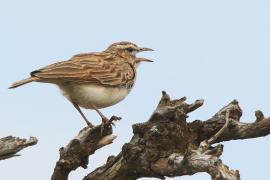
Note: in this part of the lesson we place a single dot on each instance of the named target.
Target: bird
(93, 80)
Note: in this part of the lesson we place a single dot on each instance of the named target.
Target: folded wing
(88, 68)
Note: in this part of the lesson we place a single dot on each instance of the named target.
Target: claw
(114, 118)
(108, 122)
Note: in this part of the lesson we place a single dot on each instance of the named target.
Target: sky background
(215, 50)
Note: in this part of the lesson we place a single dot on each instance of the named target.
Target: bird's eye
(130, 49)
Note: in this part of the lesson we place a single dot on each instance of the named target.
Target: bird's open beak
(138, 60)
(145, 49)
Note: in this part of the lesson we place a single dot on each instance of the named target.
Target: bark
(9, 146)
(76, 153)
(166, 145)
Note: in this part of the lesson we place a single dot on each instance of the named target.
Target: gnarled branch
(9, 146)
(76, 153)
(165, 145)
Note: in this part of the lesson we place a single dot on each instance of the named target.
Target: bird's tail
(22, 82)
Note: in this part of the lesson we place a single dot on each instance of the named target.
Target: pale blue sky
(215, 50)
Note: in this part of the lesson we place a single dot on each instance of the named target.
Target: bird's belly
(88, 95)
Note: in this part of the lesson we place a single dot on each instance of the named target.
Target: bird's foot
(108, 122)
(112, 119)
(104, 120)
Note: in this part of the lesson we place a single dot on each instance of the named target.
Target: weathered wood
(76, 153)
(9, 146)
(164, 146)
(167, 145)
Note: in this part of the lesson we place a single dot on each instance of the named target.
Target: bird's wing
(94, 68)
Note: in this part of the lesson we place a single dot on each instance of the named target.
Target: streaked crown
(123, 45)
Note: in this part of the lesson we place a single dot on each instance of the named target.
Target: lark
(93, 80)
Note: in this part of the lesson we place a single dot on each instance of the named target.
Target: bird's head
(129, 51)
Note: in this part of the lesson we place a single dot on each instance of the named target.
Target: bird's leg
(85, 119)
(103, 118)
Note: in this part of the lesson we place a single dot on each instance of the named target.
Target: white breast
(86, 95)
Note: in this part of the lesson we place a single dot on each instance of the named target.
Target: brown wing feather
(94, 68)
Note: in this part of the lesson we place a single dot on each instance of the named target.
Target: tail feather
(22, 82)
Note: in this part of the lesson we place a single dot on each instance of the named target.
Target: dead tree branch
(10, 145)
(166, 145)
(76, 153)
